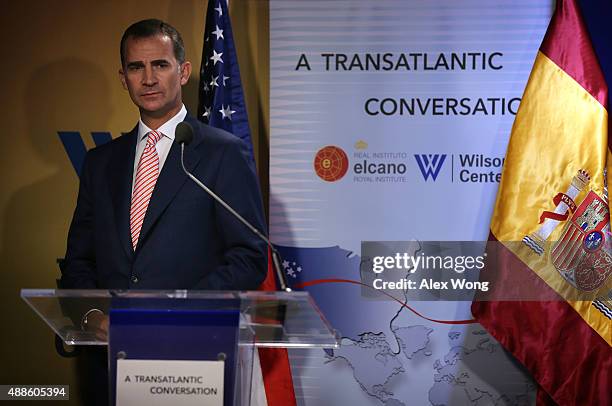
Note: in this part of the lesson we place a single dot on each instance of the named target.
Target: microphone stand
(276, 257)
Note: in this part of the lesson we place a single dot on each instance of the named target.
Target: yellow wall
(59, 72)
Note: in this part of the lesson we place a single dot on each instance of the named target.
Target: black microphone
(184, 135)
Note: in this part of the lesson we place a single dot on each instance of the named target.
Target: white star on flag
(206, 112)
(216, 57)
(219, 10)
(206, 88)
(213, 82)
(218, 32)
(224, 79)
(226, 112)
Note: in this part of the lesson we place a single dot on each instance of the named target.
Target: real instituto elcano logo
(331, 163)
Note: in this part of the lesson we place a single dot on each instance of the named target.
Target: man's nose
(148, 77)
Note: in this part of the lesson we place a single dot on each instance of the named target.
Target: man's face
(154, 77)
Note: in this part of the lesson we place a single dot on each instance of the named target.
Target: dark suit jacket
(188, 241)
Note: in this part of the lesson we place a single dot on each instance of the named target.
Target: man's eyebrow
(135, 64)
(158, 61)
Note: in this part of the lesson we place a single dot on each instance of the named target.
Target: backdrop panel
(389, 121)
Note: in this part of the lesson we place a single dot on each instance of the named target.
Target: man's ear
(122, 79)
(185, 72)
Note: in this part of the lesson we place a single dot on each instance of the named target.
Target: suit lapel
(120, 173)
(170, 180)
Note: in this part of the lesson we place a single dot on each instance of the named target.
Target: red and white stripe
(146, 177)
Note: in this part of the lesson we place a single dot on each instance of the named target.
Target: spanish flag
(551, 223)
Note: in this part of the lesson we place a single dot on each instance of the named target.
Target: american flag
(221, 100)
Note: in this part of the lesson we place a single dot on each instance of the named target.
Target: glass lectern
(184, 347)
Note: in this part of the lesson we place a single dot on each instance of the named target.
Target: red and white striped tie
(146, 177)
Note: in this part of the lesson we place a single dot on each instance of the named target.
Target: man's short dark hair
(150, 28)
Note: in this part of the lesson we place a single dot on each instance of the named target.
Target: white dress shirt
(163, 145)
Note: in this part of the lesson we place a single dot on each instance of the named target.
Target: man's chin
(155, 110)
(152, 107)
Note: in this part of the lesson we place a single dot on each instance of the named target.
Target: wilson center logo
(75, 147)
(430, 165)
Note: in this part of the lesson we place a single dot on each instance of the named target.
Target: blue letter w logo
(430, 164)
(75, 147)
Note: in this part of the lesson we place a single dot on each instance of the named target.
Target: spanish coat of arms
(583, 253)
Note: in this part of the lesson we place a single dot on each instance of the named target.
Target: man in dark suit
(140, 223)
